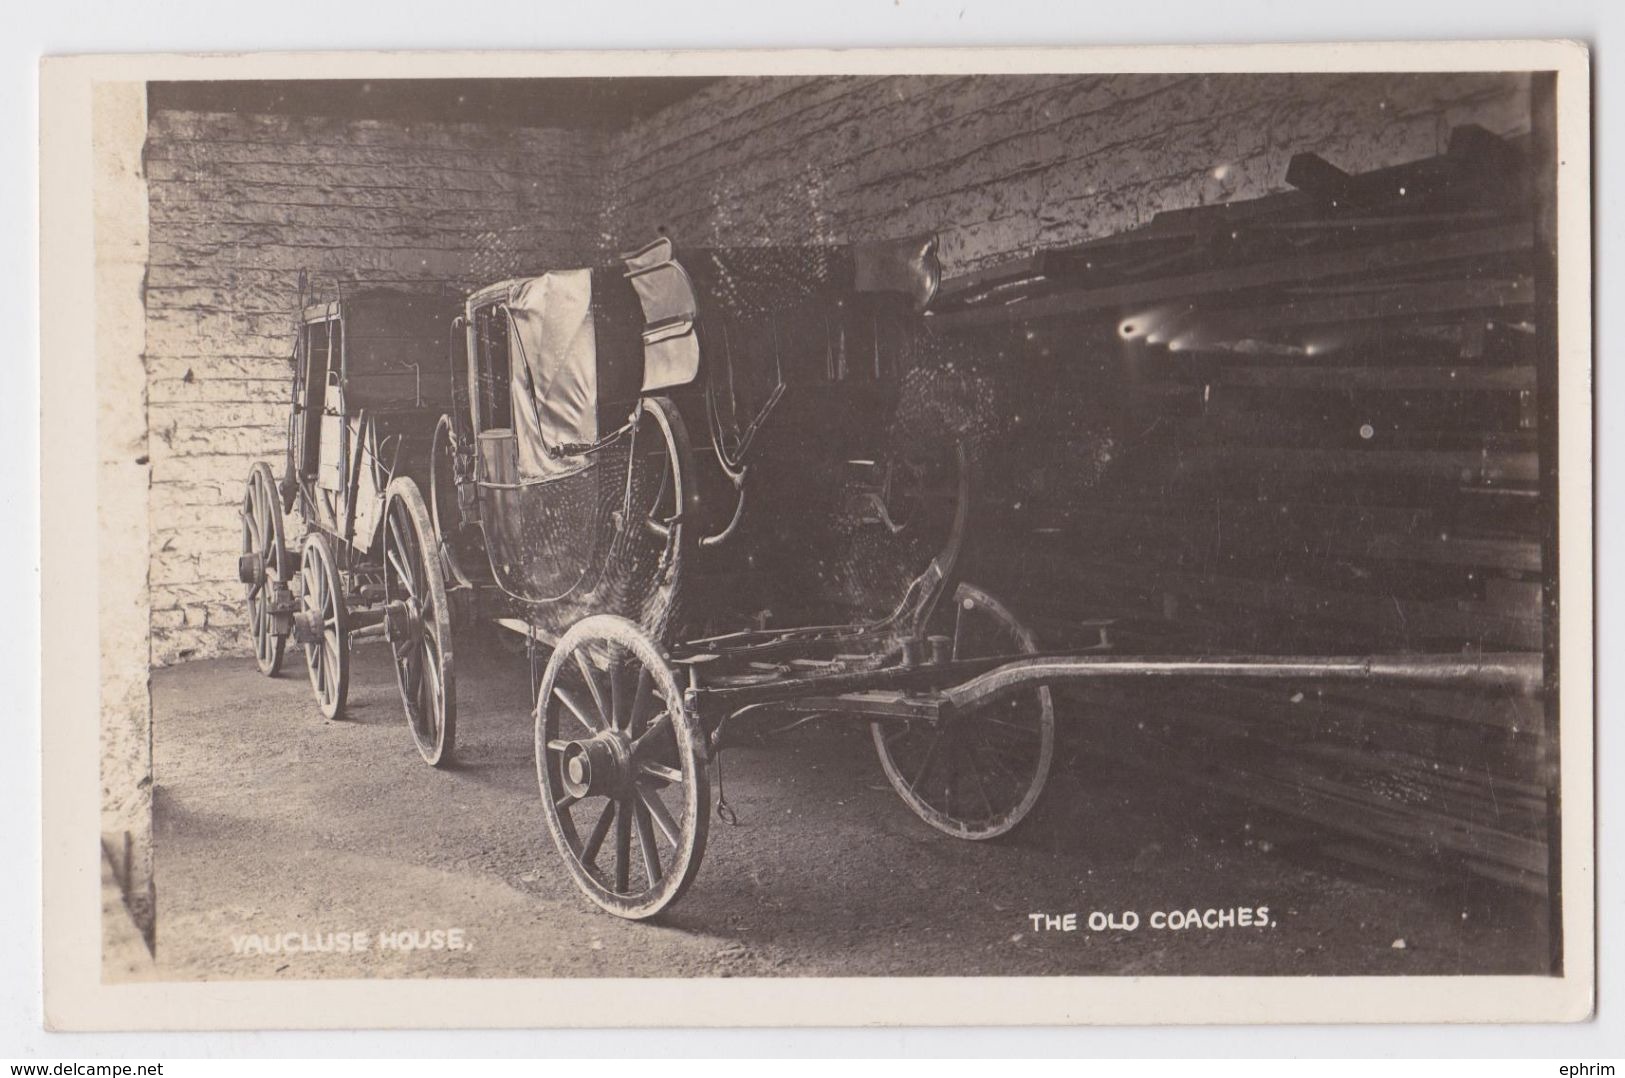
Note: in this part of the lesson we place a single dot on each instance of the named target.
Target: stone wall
(239, 204)
(1000, 166)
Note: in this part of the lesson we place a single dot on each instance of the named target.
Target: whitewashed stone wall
(239, 205)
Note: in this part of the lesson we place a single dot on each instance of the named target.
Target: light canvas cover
(554, 356)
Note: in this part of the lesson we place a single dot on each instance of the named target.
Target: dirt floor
(272, 821)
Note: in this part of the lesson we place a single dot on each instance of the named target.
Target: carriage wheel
(621, 768)
(264, 564)
(321, 602)
(419, 623)
(460, 543)
(980, 774)
(665, 515)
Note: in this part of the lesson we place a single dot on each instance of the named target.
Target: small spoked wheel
(326, 632)
(263, 566)
(622, 773)
(418, 623)
(978, 775)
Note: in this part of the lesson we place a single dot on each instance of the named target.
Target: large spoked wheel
(264, 565)
(461, 543)
(321, 606)
(621, 768)
(977, 775)
(419, 623)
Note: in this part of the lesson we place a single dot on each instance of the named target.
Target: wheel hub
(307, 627)
(597, 766)
(402, 621)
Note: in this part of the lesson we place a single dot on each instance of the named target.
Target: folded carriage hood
(554, 356)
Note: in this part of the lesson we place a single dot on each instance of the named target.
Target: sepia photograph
(1044, 522)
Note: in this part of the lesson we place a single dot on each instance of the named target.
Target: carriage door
(493, 396)
(318, 434)
(315, 355)
(331, 460)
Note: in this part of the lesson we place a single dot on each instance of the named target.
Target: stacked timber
(1326, 413)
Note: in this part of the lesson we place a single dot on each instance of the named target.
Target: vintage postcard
(964, 537)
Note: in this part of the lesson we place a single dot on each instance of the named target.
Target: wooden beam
(1458, 378)
(1396, 618)
(1373, 259)
(1460, 466)
(1411, 301)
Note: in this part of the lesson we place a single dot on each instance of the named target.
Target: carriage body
(370, 380)
(622, 424)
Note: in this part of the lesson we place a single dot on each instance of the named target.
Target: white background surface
(69, 26)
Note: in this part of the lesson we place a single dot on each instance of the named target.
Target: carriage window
(494, 368)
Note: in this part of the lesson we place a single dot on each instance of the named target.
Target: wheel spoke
(655, 729)
(600, 830)
(641, 700)
(256, 510)
(930, 758)
(646, 842)
(591, 679)
(991, 755)
(620, 701)
(268, 531)
(406, 538)
(950, 773)
(400, 571)
(662, 815)
(623, 849)
(669, 775)
(557, 746)
(976, 781)
(587, 722)
(1005, 724)
(1018, 752)
(431, 682)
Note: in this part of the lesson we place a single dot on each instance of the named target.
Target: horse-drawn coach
(660, 475)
